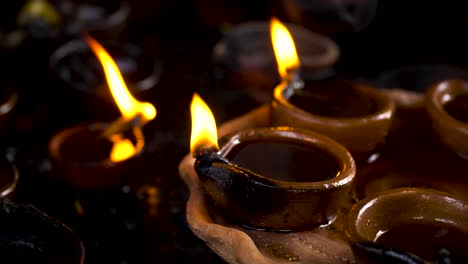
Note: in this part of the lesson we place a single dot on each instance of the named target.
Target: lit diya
(246, 59)
(355, 115)
(277, 178)
(99, 155)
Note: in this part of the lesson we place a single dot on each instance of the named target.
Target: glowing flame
(285, 50)
(122, 149)
(204, 132)
(129, 107)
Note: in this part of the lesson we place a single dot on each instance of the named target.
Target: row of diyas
(273, 192)
(291, 179)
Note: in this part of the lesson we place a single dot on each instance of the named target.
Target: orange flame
(204, 132)
(127, 104)
(285, 50)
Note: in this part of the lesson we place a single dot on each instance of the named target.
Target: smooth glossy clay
(82, 160)
(420, 221)
(355, 115)
(446, 104)
(307, 198)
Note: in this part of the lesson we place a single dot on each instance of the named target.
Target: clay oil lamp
(355, 115)
(246, 57)
(99, 155)
(423, 222)
(28, 235)
(275, 178)
(81, 81)
(447, 105)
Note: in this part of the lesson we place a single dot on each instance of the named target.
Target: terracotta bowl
(374, 216)
(360, 134)
(452, 132)
(99, 172)
(263, 202)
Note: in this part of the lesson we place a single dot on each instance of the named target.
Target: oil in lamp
(99, 155)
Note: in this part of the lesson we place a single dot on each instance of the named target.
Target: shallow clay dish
(425, 162)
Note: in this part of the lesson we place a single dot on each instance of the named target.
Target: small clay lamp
(81, 157)
(447, 105)
(419, 221)
(28, 235)
(357, 116)
(246, 55)
(277, 178)
(99, 155)
(81, 79)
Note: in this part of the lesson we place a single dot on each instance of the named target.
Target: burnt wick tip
(206, 157)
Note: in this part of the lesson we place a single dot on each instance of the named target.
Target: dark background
(147, 223)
